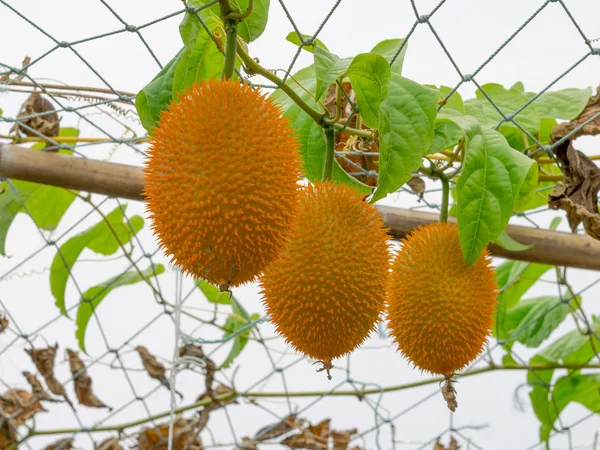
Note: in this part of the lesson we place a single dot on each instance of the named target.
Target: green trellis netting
(163, 361)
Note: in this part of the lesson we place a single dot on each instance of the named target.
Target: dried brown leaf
(276, 430)
(111, 443)
(590, 129)
(83, 383)
(315, 437)
(578, 195)
(18, 406)
(417, 185)
(449, 394)
(153, 367)
(43, 358)
(46, 124)
(5, 78)
(3, 323)
(341, 439)
(37, 389)
(185, 436)
(453, 445)
(8, 434)
(61, 444)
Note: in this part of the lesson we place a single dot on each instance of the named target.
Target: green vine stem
(445, 198)
(338, 105)
(344, 393)
(230, 49)
(329, 153)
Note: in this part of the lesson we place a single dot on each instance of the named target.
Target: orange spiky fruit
(326, 290)
(440, 309)
(222, 181)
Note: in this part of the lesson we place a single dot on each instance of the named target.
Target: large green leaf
(295, 39)
(328, 68)
(235, 322)
(101, 239)
(406, 132)
(514, 279)
(454, 102)
(388, 49)
(490, 182)
(202, 61)
(370, 76)
(532, 321)
(93, 296)
(509, 101)
(572, 348)
(248, 29)
(446, 135)
(309, 133)
(157, 94)
(565, 104)
(212, 293)
(46, 204)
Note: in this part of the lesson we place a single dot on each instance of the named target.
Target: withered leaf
(111, 443)
(37, 389)
(5, 78)
(61, 444)
(83, 383)
(341, 439)
(46, 124)
(417, 185)
(449, 394)
(43, 358)
(153, 367)
(453, 445)
(276, 430)
(590, 129)
(578, 195)
(315, 437)
(18, 406)
(8, 434)
(184, 436)
(3, 323)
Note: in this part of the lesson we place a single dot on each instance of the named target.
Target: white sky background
(471, 31)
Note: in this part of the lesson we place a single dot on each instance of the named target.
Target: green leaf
(534, 193)
(328, 68)
(309, 133)
(446, 135)
(46, 204)
(508, 243)
(388, 49)
(454, 102)
(532, 321)
(99, 239)
(295, 39)
(406, 132)
(157, 94)
(248, 29)
(509, 101)
(203, 61)
(370, 77)
(565, 104)
(235, 322)
(573, 347)
(488, 188)
(94, 296)
(212, 293)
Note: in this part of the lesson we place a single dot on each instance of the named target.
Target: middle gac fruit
(327, 289)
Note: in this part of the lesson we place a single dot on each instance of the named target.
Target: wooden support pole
(118, 180)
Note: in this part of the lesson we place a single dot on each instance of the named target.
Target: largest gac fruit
(221, 181)
(326, 291)
(440, 310)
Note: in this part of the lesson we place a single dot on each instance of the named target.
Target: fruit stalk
(329, 153)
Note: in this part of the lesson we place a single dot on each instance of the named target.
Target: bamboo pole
(118, 180)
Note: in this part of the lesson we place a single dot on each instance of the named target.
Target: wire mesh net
(165, 352)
